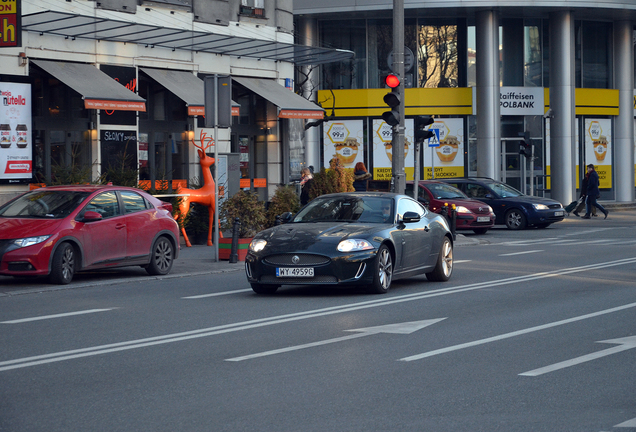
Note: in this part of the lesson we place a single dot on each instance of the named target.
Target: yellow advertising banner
(598, 149)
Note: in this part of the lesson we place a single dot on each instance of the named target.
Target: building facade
(96, 86)
(495, 74)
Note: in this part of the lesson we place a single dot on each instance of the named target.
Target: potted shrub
(284, 200)
(336, 179)
(250, 212)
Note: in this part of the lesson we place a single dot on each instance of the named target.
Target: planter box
(225, 248)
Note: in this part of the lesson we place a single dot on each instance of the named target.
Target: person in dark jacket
(360, 177)
(593, 193)
(307, 180)
(581, 205)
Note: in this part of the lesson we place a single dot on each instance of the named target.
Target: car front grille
(299, 281)
(554, 206)
(302, 260)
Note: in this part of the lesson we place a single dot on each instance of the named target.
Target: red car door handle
(120, 226)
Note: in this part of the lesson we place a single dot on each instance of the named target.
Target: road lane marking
(629, 423)
(517, 333)
(521, 253)
(401, 328)
(297, 316)
(62, 315)
(461, 261)
(217, 294)
(624, 344)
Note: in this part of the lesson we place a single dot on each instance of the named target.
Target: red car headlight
(30, 241)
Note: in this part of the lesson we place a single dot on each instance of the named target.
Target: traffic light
(525, 147)
(421, 134)
(393, 100)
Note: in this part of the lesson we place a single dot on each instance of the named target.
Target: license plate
(558, 213)
(483, 219)
(295, 272)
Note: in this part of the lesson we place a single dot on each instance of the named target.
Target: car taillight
(167, 206)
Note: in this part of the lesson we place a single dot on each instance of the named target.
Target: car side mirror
(410, 217)
(286, 217)
(91, 216)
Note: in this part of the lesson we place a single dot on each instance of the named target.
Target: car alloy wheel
(63, 264)
(162, 257)
(383, 271)
(515, 219)
(444, 267)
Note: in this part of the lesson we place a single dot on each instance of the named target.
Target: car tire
(515, 219)
(444, 267)
(480, 230)
(264, 289)
(63, 264)
(161, 257)
(382, 271)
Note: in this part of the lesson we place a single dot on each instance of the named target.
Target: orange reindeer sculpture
(204, 195)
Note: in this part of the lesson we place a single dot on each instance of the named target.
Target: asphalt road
(535, 332)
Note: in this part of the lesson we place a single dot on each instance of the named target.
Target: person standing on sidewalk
(593, 193)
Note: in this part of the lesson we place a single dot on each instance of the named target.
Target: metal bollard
(235, 236)
(454, 222)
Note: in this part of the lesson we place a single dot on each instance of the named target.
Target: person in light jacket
(360, 177)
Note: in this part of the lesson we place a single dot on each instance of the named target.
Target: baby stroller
(570, 207)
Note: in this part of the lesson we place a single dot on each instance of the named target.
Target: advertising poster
(444, 152)
(16, 147)
(345, 140)
(598, 149)
(383, 150)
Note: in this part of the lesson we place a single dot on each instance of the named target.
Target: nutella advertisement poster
(15, 131)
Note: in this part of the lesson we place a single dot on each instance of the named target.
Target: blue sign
(434, 142)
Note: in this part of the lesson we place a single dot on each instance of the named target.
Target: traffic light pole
(397, 141)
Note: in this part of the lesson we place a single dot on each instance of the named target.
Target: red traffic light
(392, 80)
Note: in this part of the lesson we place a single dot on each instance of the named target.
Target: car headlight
(257, 245)
(462, 209)
(30, 241)
(351, 245)
(492, 212)
(540, 206)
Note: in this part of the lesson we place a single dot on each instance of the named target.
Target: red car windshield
(45, 204)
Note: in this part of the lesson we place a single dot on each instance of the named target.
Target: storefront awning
(73, 26)
(187, 87)
(289, 104)
(98, 89)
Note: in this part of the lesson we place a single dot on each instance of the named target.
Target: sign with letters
(16, 148)
(10, 23)
(521, 101)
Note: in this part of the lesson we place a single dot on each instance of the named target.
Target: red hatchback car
(471, 213)
(60, 230)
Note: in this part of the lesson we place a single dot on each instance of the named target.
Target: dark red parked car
(60, 230)
(471, 214)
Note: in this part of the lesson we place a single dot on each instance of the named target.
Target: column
(488, 118)
(562, 103)
(309, 36)
(624, 123)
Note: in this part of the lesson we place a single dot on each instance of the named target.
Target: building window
(437, 56)
(596, 54)
(532, 56)
(350, 74)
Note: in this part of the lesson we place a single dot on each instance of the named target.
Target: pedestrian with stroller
(581, 203)
(593, 193)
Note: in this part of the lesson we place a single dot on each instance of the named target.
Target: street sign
(434, 142)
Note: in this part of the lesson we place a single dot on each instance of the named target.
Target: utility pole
(397, 142)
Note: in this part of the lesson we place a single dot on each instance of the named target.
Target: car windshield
(504, 191)
(445, 191)
(347, 209)
(47, 204)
